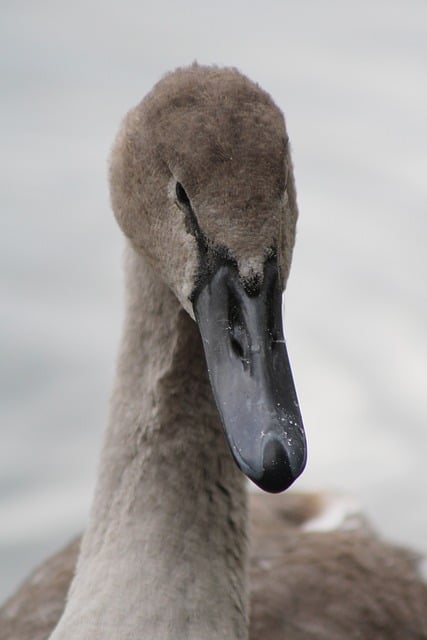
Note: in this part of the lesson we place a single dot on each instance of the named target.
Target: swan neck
(164, 555)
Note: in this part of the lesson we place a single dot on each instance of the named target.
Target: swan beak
(251, 377)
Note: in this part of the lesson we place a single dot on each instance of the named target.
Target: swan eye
(181, 196)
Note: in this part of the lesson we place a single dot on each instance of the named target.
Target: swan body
(311, 578)
(202, 187)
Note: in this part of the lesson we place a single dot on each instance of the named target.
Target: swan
(202, 187)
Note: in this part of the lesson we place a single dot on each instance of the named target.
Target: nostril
(237, 347)
(236, 325)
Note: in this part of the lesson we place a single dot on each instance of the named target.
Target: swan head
(202, 184)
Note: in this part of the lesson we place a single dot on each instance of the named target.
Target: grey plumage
(165, 553)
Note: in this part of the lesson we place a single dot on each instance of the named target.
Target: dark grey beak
(251, 377)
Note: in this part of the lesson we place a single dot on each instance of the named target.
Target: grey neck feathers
(164, 555)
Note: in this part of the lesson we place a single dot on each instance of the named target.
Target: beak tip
(279, 472)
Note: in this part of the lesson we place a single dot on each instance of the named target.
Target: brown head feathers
(219, 138)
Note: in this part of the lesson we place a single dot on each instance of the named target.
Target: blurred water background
(352, 80)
